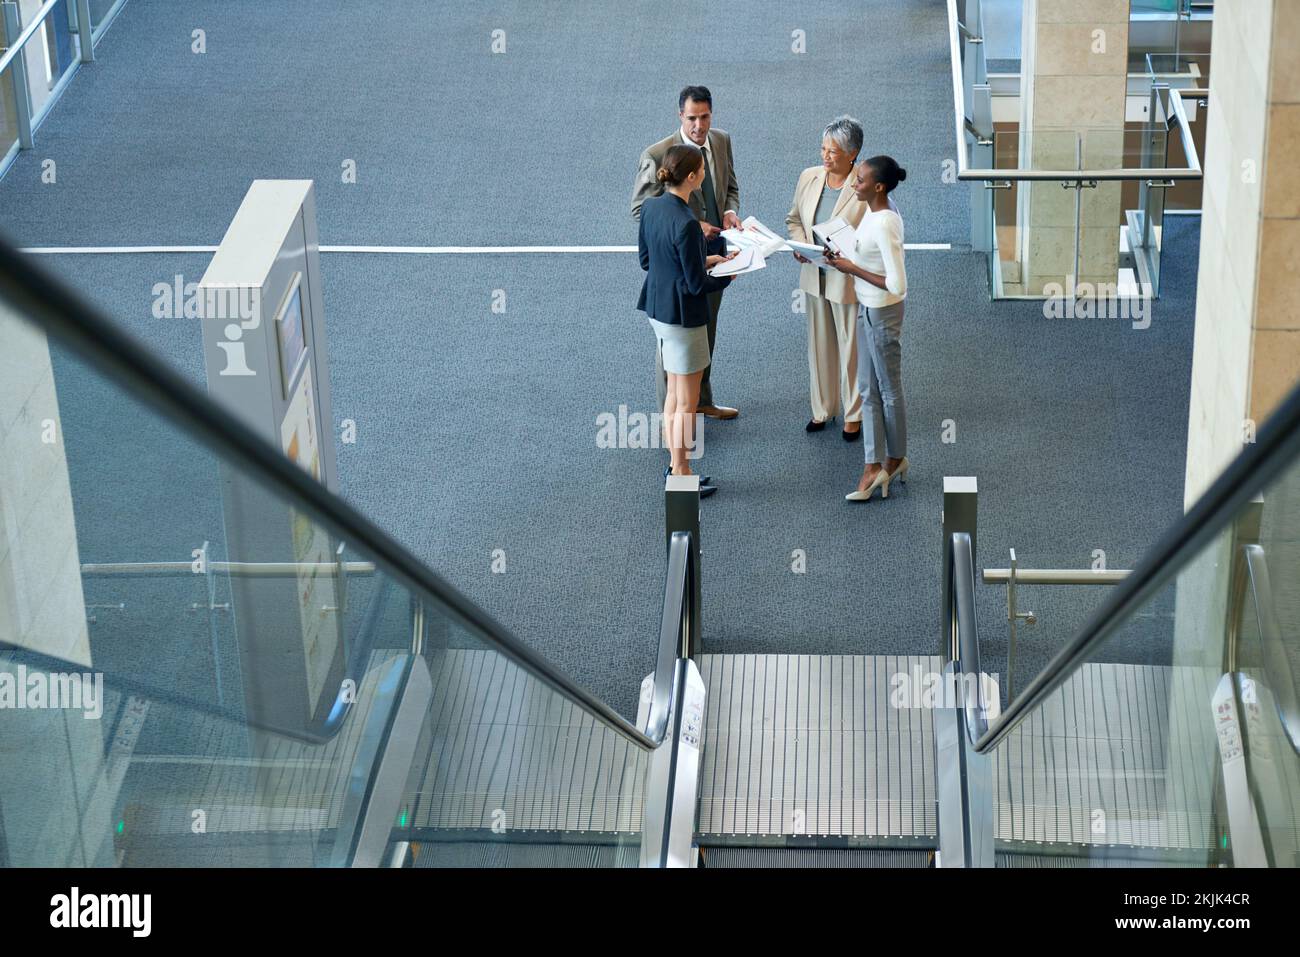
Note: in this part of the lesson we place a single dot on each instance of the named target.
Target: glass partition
(8, 112)
(1096, 237)
(52, 52)
(197, 669)
(1169, 745)
(102, 11)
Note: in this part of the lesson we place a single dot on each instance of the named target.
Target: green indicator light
(121, 826)
(1223, 841)
(401, 821)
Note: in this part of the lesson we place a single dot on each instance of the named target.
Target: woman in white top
(880, 282)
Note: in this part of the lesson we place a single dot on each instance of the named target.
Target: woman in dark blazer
(674, 295)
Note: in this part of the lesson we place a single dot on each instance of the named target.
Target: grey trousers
(880, 380)
(706, 389)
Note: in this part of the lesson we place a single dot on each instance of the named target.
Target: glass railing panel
(163, 704)
(196, 669)
(1037, 222)
(101, 10)
(50, 54)
(1267, 653)
(1128, 205)
(8, 112)
(994, 259)
(1153, 750)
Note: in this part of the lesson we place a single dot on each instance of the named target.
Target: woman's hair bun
(887, 171)
(678, 163)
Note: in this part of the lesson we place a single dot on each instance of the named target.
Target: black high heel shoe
(815, 426)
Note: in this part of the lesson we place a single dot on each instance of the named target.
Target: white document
(755, 236)
(809, 251)
(837, 234)
(747, 260)
(805, 249)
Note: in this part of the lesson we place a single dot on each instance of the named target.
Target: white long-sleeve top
(879, 249)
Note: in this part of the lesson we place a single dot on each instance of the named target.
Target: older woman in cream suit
(824, 193)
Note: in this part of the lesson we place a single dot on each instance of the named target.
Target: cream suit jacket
(799, 222)
(725, 187)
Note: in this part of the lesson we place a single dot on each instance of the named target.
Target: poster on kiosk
(265, 356)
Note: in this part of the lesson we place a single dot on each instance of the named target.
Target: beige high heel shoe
(881, 481)
(900, 473)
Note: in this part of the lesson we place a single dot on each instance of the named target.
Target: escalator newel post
(682, 514)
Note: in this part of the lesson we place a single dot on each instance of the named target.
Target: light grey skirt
(684, 349)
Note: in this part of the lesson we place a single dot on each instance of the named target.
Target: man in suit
(715, 204)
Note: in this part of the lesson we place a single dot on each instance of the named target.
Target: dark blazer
(671, 244)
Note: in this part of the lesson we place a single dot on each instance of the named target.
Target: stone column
(1246, 353)
(55, 807)
(1246, 356)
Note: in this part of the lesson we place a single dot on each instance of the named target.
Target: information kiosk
(264, 349)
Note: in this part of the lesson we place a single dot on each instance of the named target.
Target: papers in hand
(837, 234)
(755, 236)
(805, 249)
(810, 252)
(747, 260)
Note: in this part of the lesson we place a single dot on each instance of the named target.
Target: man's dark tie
(711, 212)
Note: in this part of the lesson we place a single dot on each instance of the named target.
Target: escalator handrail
(962, 628)
(1277, 446)
(679, 592)
(45, 302)
(1276, 666)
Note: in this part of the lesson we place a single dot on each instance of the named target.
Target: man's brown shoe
(719, 411)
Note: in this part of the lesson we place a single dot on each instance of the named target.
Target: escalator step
(1011, 859)
(815, 857)
(502, 854)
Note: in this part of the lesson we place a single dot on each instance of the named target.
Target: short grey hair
(846, 133)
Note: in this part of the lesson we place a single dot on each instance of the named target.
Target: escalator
(1164, 733)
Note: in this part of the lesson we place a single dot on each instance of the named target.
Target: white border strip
(396, 250)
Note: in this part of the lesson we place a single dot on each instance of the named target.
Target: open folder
(837, 234)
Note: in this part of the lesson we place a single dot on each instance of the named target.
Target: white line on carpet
(400, 250)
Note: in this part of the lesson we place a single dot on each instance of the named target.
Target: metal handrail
(964, 635)
(674, 637)
(1055, 576)
(1276, 447)
(27, 33)
(35, 295)
(1191, 171)
(1276, 665)
(233, 569)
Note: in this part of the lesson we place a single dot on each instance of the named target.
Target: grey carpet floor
(477, 431)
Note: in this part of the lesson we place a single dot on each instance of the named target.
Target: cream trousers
(833, 359)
